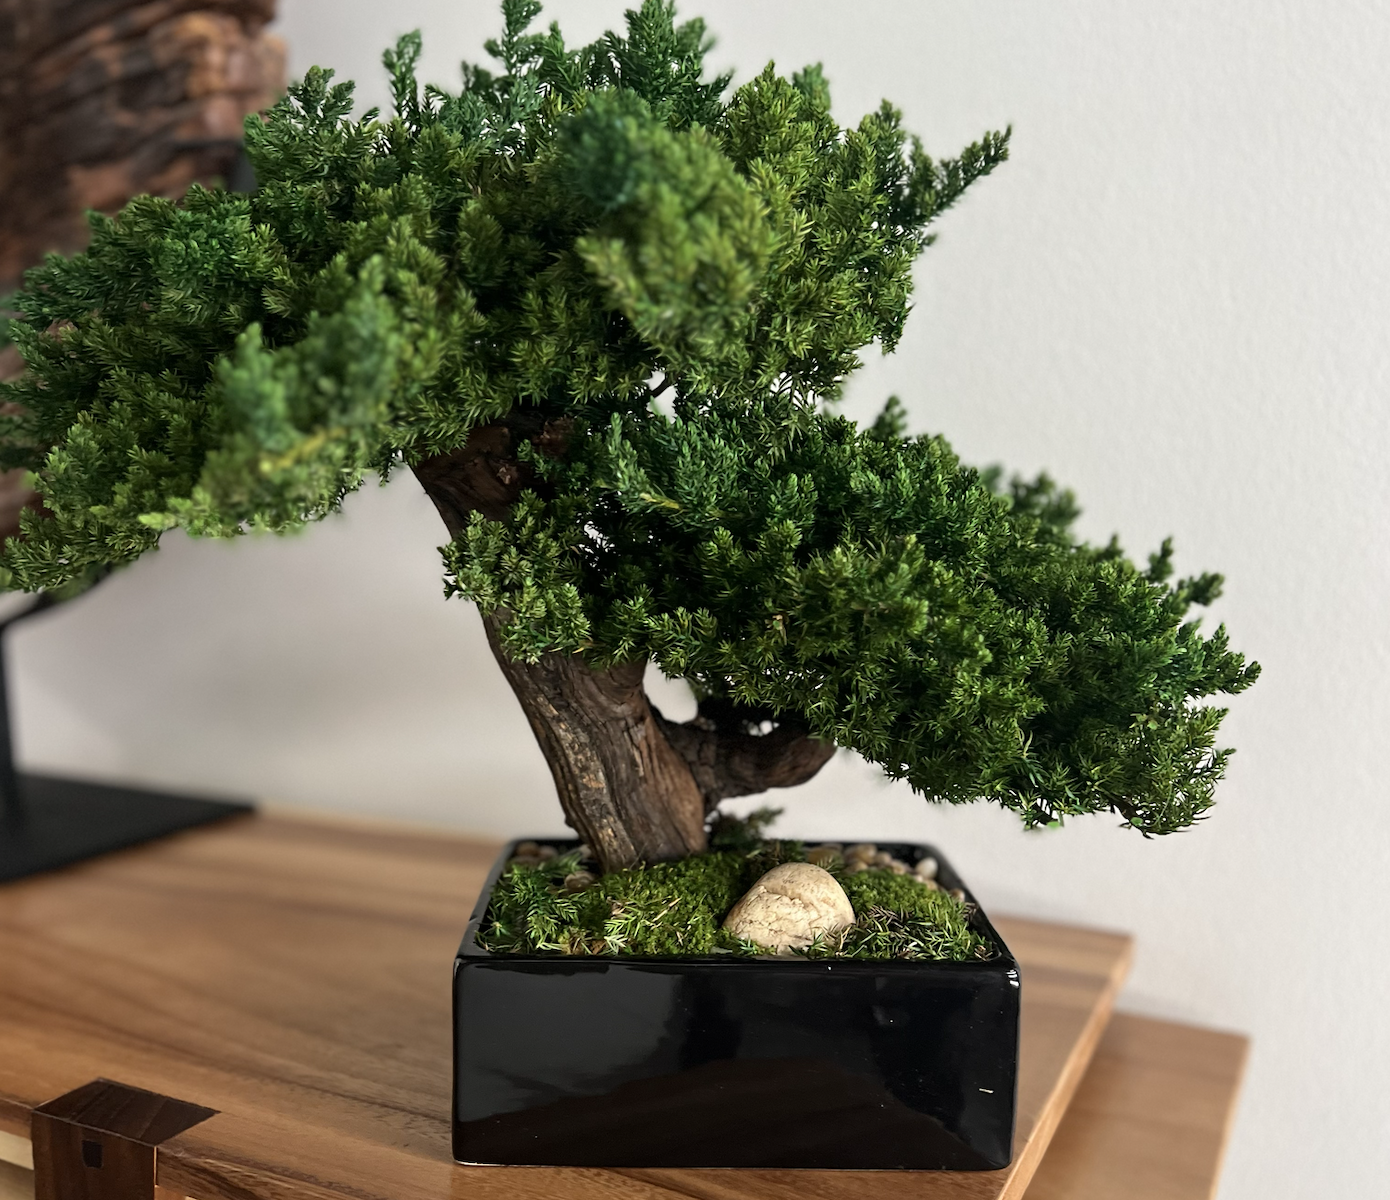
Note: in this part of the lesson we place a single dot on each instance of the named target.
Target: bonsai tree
(601, 306)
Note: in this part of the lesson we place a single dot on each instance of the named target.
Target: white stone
(789, 907)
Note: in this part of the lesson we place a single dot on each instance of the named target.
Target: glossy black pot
(722, 1061)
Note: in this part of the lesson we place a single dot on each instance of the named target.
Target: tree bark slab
(101, 100)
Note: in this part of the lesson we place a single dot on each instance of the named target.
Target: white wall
(1173, 298)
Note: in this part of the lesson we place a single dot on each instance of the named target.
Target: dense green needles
(677, 277)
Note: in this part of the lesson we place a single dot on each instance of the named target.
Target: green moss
(675, 909)
(898, 917)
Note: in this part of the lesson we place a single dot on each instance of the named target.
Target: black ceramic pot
(722, 1061)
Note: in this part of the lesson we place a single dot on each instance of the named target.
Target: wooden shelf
(294, 975)
(1150, 1119)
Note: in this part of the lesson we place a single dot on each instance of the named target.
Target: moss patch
(675, 910)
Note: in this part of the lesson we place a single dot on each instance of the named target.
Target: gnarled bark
(623, 787)
(728, 758)
(103, 99)
(634, 786)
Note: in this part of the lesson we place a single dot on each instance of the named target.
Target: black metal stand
(48, 822)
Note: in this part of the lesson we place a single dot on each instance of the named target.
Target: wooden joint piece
(98, 1141)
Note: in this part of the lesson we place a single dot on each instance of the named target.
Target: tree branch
(484, 474)
(729, 759)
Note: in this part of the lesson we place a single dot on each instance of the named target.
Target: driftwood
(101, 100)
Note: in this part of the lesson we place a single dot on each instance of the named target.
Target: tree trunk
(634, 786)
(624, 789)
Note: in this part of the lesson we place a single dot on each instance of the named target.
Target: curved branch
(728, 759)
(484, 474)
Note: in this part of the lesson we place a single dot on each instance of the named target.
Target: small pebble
(925, 869)
(525, 860)
(823, 856)
(527, 850)
(932, 885)
(864, 850)
(577, 881)
(585, 854)
(883, 859)
(958, 894)
(898, 867)
(546, 853)
(856, 865)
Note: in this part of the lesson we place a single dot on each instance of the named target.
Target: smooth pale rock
(789, 907)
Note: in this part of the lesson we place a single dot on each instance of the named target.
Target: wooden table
(294, 975)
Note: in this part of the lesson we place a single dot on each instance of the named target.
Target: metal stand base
(63, 821)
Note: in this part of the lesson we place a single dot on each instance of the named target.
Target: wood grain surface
(294, 975)
(1148, 1122)
(1150, 1119)
(16, 1183)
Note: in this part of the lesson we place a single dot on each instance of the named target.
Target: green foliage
(891, 423)
(574, 233)
(881, 592)
(742, 835)
(676, 908)
(7, 314)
